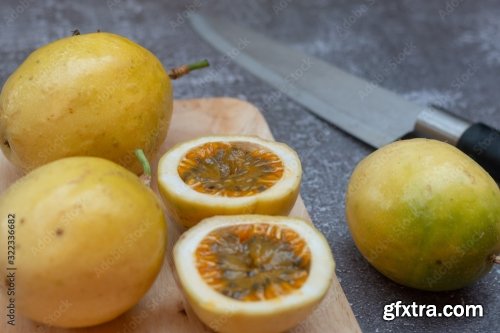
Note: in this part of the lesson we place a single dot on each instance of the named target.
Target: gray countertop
(454, 61)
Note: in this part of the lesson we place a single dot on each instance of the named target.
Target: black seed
(59, 232)
(183, 312)
(237, 295)
(439, 262)
(6, 142)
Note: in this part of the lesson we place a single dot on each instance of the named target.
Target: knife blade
(370, 113)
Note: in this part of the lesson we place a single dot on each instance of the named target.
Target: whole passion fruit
(89, 238)
(96, 94)
(425, 215)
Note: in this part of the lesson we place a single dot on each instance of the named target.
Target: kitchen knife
(361, 108)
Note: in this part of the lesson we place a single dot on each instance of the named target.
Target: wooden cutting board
(163, 309)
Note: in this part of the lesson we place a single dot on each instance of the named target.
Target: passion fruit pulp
(254, 262)
(228, 175)
(230, 169)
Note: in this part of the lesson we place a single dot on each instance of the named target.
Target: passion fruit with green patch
(425, 215)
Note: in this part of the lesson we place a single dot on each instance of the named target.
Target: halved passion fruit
(253, 273)
(228, 175)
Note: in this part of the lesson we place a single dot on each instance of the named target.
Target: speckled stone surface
(454, 60)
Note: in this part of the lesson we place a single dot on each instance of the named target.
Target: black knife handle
(482, 143)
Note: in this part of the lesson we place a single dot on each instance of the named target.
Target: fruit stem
(496, 259)
(146, 167)
(177, 72)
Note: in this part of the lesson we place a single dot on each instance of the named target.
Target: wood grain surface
(164, 309)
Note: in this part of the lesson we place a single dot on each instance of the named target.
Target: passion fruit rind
(270, 315)
(188, 206)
